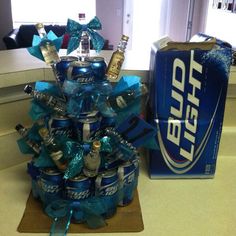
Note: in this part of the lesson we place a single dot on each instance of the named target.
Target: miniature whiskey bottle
(117, 59)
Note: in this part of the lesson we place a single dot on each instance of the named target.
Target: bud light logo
(49, 187)
(62, 132)
(187, 125)
(84, 80)
(109, 190)
(129, 179)
(72, 194)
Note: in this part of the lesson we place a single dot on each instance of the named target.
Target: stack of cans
(115, 187)
(113, 179)
(92, 69)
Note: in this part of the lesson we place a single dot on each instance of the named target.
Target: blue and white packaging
(188, 84)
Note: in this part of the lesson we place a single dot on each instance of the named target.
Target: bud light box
(188, 86)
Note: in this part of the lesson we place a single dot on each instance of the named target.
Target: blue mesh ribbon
(24, 147)
(89, 210)
(44, 159)
(37, 112)
(106, 144)
(77, 94)
(74, 153)
(74, 29)
(35, 49)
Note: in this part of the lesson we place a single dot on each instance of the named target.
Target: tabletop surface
(169, 207)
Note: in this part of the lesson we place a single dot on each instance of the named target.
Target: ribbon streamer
(75, 29)
(60, 225)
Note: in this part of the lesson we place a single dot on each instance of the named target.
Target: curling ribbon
(75, 29)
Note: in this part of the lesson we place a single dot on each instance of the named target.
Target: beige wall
(110, 13)
(199, 17)
(179, 15)
(5, 20)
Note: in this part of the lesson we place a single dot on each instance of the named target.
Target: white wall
(221, 24)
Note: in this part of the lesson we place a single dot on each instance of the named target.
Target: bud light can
(106, 186)
(62, 67)
(34, 173)
(61, 126)
(86, 127)
(51, 184)
(108, 122)
(78, 188)
(128, 177)
(98, 67)
(81, 72)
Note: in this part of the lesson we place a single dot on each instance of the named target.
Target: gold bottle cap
(96, 145)
(124, 37)
(39, 25)
(43, 132)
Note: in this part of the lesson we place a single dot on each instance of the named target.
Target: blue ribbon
(35, 49)
(74, 152)
(74, 29)
(89, 210)
(78, 94)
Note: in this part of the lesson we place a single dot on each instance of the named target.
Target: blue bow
(74, 29)
(79, 94)
(35, 49)
(89, 211)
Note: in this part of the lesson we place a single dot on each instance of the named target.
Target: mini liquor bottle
(117, 59)
(47, 47)
(49, 53)
(53, 148)
(55, 103)
(24, 133)
(92, 160)
(84, 46)
(126, 98)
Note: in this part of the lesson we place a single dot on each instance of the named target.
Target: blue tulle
(35, 49)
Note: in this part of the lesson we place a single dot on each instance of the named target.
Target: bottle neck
(82, 18)
(48, 140)
(23, 132)
(122, 45)
(42, 33)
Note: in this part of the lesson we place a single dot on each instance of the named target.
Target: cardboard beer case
(188, 86)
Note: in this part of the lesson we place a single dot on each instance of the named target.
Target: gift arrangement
(86, 132)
